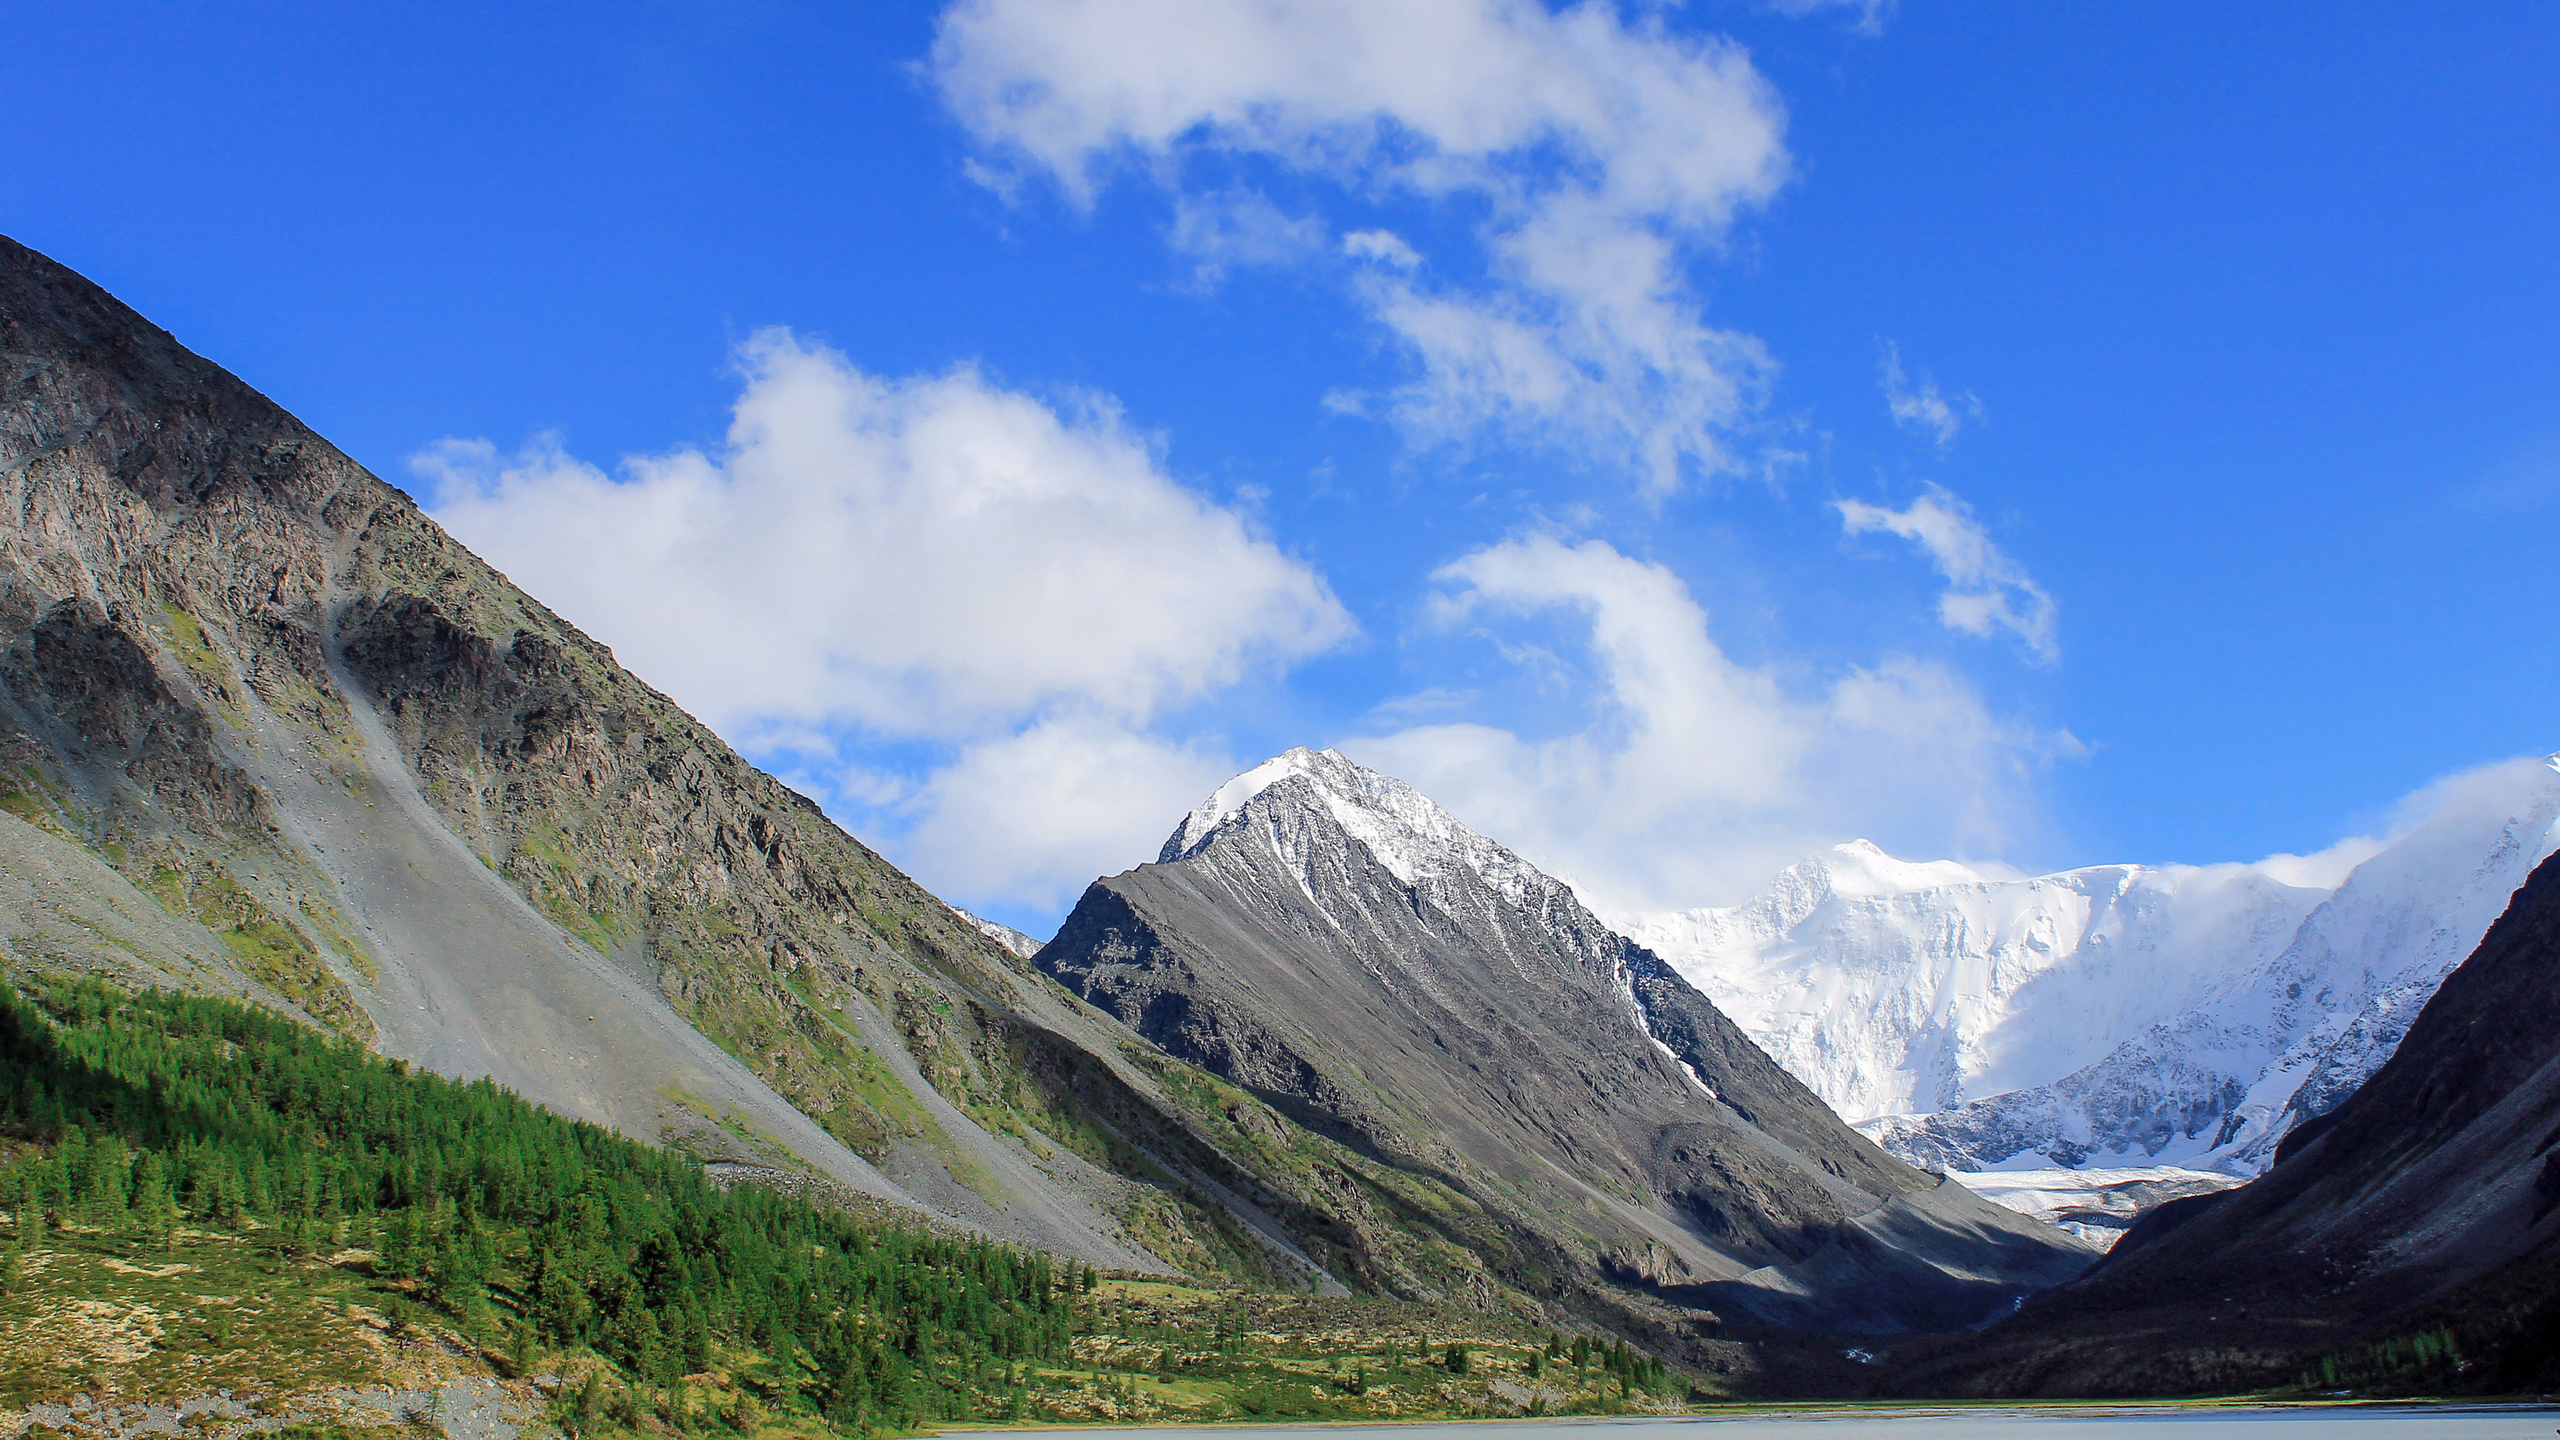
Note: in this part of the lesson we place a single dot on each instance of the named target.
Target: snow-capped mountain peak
(1862, 868)
(1413, 838)
(1893, 987)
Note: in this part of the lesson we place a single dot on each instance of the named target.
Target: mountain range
(2405, 1242)
(267, 731)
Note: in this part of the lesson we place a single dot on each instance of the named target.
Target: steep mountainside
(2120, 1015)
(1327, 938)
(266, 730)
(2428, 1201)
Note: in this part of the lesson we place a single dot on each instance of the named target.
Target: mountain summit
(1331, 940)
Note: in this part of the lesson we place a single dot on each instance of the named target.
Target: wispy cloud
(1867, 16)
(1922, 407)
(1602, 153)
(1228, 229)
(1698, 775)
(1986, 592)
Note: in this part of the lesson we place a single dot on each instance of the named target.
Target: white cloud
(922, 557)
(1034, 817)
(1600, 152)
(1385, 247)
(2456, 808)
(1921, 407)
(1697, 777)
(2321, 869)
(932, 559)
(1986, 590)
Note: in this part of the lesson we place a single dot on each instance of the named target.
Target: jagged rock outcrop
(1330, 940)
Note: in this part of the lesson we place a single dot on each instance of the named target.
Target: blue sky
(1006, 419)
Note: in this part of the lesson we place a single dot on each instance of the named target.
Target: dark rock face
(2426, 1195)
(1345, 951)
(79, 675)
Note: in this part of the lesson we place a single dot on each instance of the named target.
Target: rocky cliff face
(2430, 1196)
(1332, 942)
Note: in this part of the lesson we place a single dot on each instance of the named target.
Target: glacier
(2114, 1016)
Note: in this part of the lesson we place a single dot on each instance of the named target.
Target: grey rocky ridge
(267, 731)
(1484, 1048)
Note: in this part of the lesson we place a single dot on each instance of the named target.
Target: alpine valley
(269, 734)
(404, 1007)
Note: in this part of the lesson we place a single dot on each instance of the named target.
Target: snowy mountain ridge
(1321, 932)
(1895, 988)
(1420, 843)
(2112, 1015)
(2116, 1015)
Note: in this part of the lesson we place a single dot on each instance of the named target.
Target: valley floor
(227, 1334)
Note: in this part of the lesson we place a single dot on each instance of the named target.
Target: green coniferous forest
(234, 1150)
(163, 1109)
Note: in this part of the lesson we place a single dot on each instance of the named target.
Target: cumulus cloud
(1696, 776)
(934, 559)
(922, 556)
(1601, 153)
(1922, 408)
(1986, 591)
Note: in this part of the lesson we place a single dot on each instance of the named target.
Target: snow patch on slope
(2098, 1205)
(1001, 933)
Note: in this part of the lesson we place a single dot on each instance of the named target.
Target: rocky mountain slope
(266, 730)
(2428, 1203)
(1333, 942)
(2115, 1016)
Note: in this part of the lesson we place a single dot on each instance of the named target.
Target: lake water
(2448, 1422)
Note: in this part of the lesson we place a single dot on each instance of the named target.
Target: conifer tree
(154, 1214)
